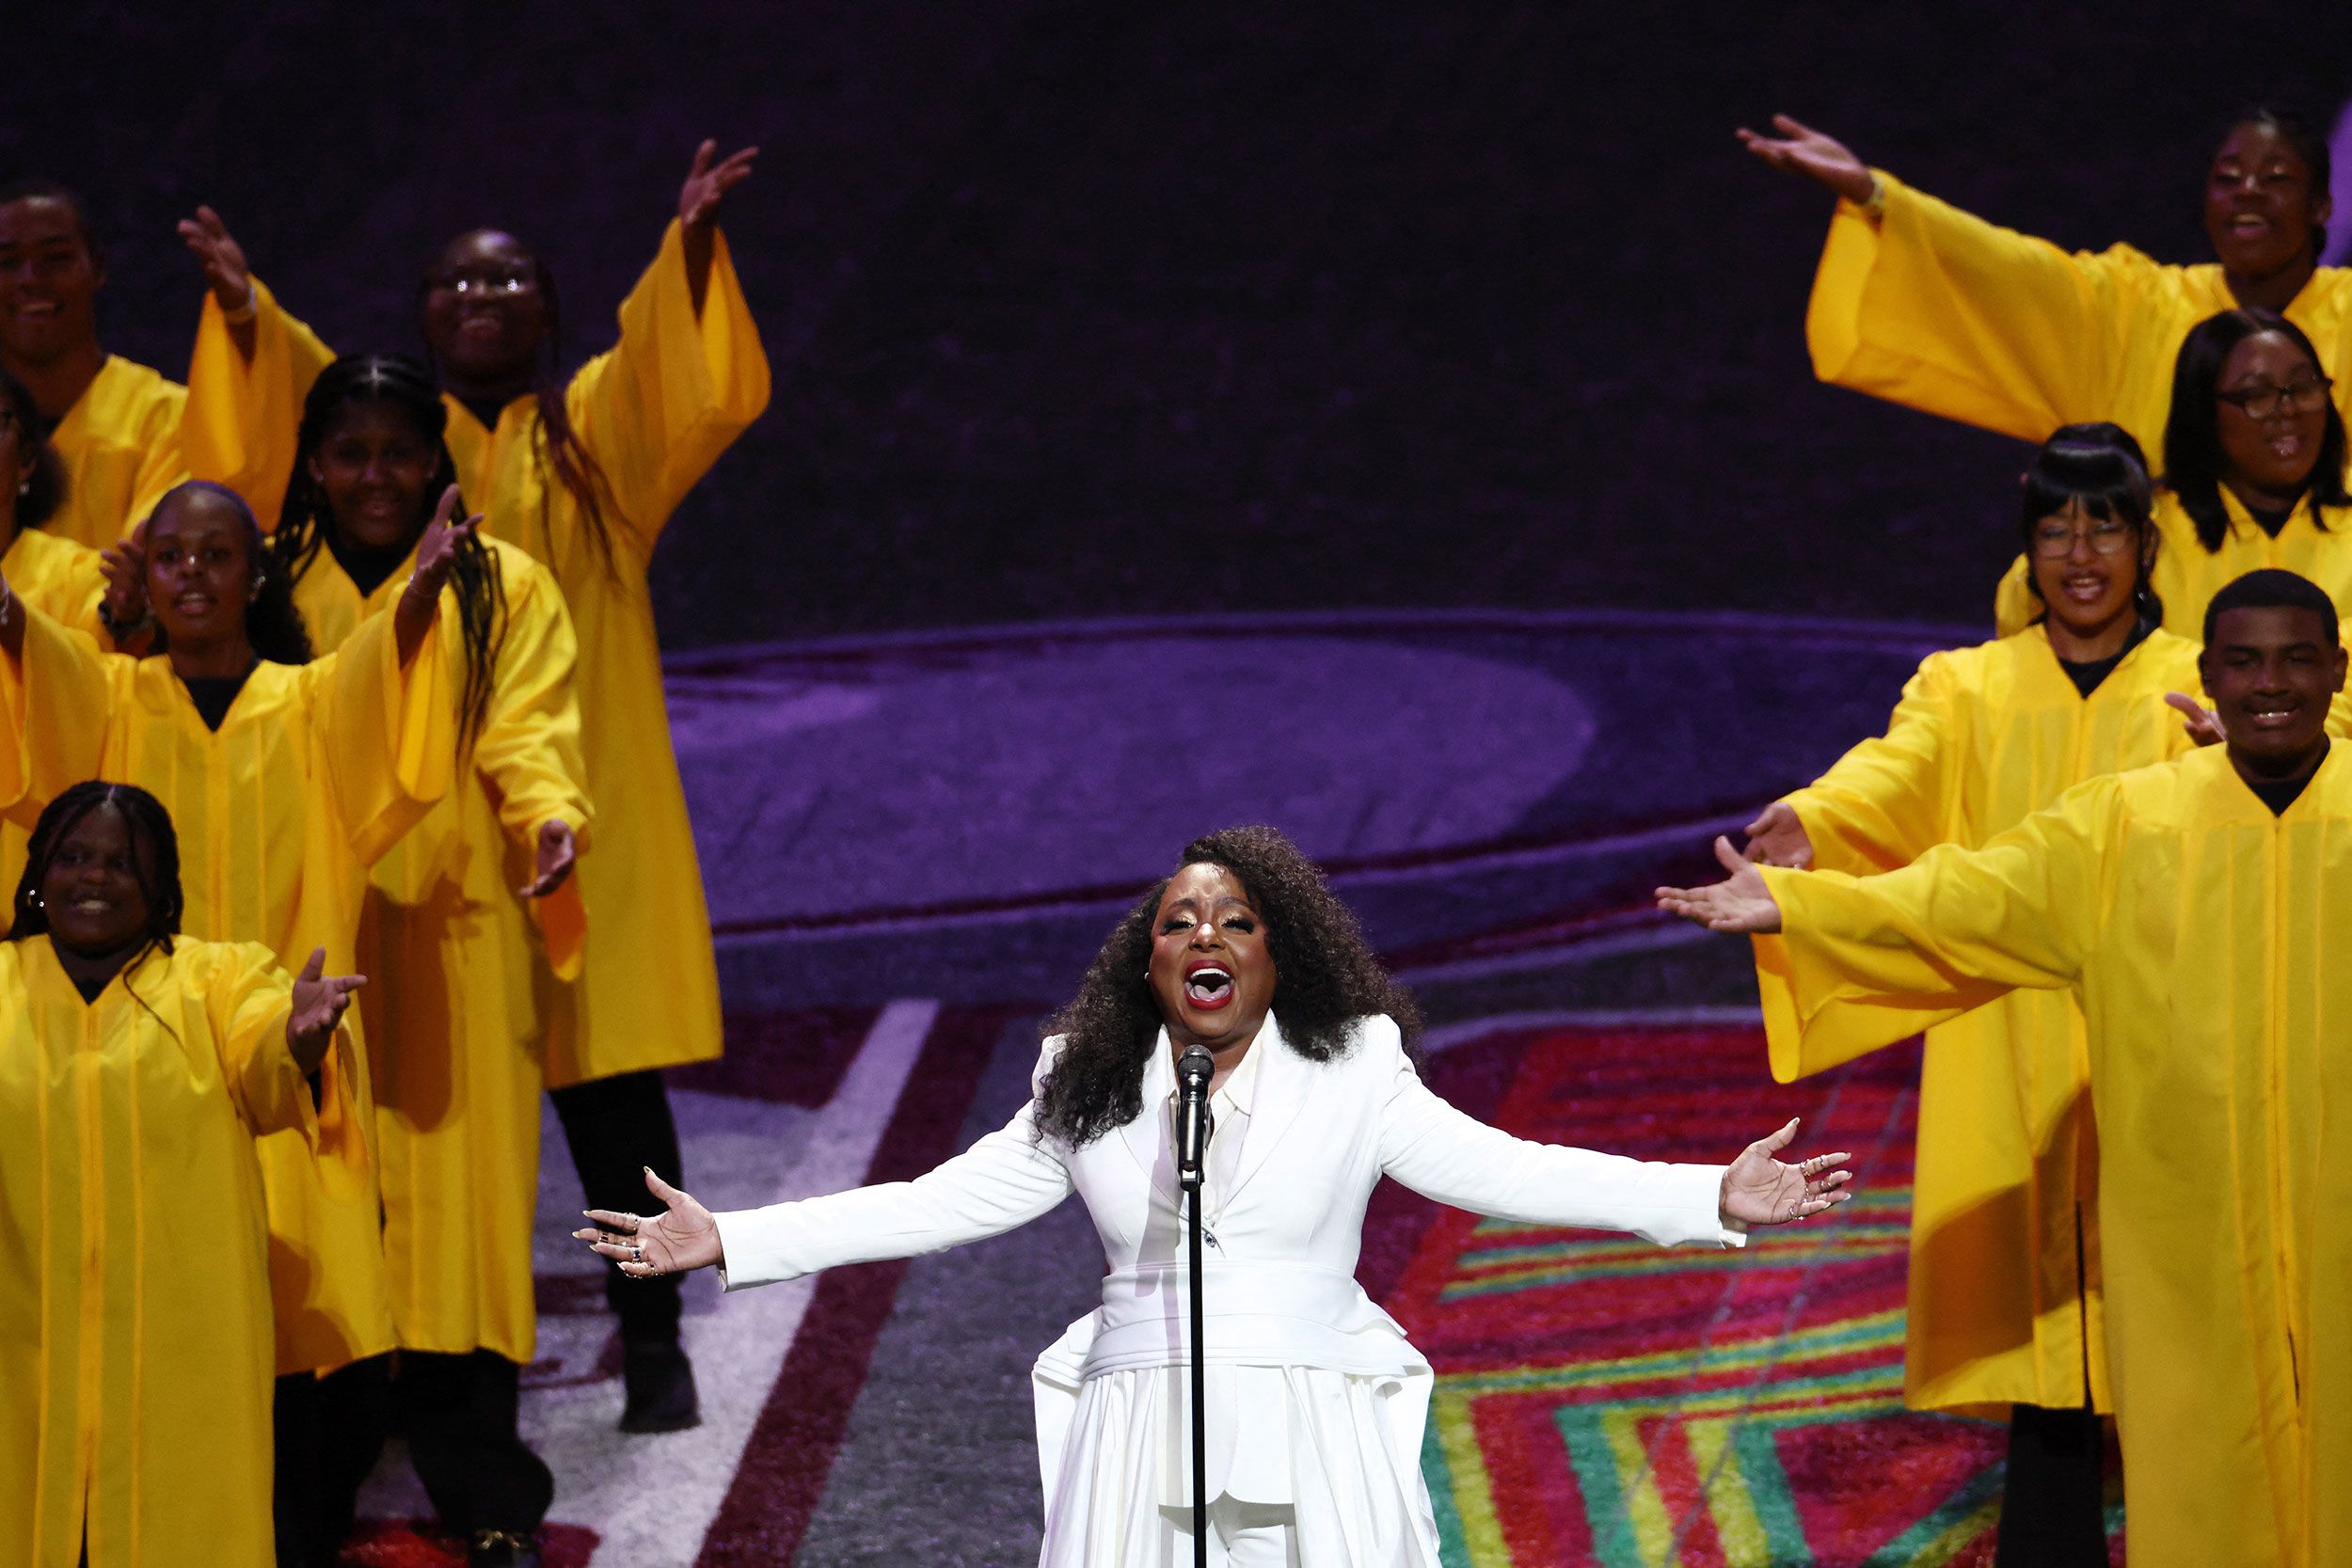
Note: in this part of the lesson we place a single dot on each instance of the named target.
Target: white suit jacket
(1279, 1277)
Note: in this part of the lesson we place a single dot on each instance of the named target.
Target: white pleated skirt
(1341, 1450)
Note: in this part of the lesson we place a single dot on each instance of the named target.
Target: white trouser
(1240, 1535)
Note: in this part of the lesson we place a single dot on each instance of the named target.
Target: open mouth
(1207, 986)
(194, 605)
(2085, 588)
(2273, 716)
(2287, 446)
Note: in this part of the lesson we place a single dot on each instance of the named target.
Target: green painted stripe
(1596, 1466)
(1876, 1331)
(1721, 1263)
(1768, 1492)
(1844, 1235)
(1452, 1547)
(1906, 1550)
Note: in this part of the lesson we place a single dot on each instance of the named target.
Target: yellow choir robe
(462, 980)
(135, 1312)
(2205, 939)
(2003, 1310)
(316, 770)
(120, 447)
(655, 410)
(1942, 311)
(2316, 543)
(61, 579)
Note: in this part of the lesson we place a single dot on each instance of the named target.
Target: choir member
(2195, 908)
(138, 1067)
(287, 778)
(472, 929)
(581, 474)
(2253, 471)
(115, 425)
(2005, 1314)
(1922, 304)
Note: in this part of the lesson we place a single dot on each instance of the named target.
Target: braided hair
(158, 874)
(307, 522)
(1329, 979)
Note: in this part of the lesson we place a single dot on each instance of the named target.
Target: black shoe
(660, 1384)
(497, 1548)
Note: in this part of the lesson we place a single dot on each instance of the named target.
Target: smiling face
(376, 467)
(1210, 969)
(91, 888)
(2086, 567)
(483, 313)
(200, 568)
(2272, 673)
(2276, 452)
(49, 282)
(2260, 203)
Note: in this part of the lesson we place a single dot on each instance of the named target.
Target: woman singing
(1315, 1400)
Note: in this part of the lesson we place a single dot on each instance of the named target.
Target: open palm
(1742, 902)
(1801, 150)
(1759, 1189)
(682, 1237)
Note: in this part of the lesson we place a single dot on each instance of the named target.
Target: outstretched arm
(1004, 1181)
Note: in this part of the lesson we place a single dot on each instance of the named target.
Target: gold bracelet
(1875, 208)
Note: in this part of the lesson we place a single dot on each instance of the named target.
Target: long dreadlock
(401, 382)
(556, 446)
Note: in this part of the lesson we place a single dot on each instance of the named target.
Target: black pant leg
(460, 1415)
(2053, 1513)
(615, 1128)
(295, 1477)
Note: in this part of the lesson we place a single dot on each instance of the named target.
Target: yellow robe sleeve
(1882, 804)
(249, 999)
(659, 407)
(387, 733)
(1864, 961)
(242, 415)
(54, 702)
(1942, 311)
(162, 464)
(2014, 607)
(528, 748)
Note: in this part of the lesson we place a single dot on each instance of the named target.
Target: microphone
(1194, 1069)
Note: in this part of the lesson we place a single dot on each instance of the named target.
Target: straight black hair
(2193, 461)
(2100, 466)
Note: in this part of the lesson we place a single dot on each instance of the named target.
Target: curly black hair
(1327, 978)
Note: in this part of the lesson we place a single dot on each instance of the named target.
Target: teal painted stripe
(1844, 1338)
(1717, 1262)
(1452, 1547)
(1486, 1257)
(1766, 1478)
(1972, 1495)
(1596, 1466)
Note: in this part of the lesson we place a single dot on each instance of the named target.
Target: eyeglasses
(2260, 402)
(484, 284)
(2055, 540)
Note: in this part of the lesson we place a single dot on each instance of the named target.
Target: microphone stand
(1194, 1069)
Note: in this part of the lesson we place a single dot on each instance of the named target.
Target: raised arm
(271, 1029)
(687, 374)
(251, 367)
(1922, 304)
